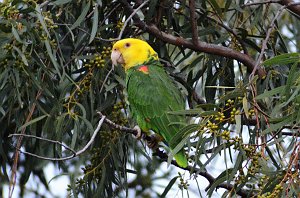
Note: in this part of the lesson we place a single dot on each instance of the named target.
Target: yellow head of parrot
(131, 52)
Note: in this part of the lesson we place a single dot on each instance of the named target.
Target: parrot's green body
(152, 95)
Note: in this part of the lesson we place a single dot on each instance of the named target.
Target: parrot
(151, 93)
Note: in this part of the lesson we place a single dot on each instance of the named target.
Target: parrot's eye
(127, 45)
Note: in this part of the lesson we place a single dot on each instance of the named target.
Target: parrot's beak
(116, 57)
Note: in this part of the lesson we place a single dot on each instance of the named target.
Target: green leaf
(270, 93)
(52, 57)
(185, 131)
(32, 121)
(169, 186)
(220, 179)
(82, 16)
(283, 59)
(245, 106)
(16, 34)
(178, 147)
(23, 57)
(273, 127)
(95, 23)
(216, 7)
(238, 120)
(41, 19)
(60, 2)
(152, 9)
(195, 111)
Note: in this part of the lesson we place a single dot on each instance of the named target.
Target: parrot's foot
(139, 132)
(154, 140)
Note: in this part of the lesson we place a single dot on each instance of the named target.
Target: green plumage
(152, 95)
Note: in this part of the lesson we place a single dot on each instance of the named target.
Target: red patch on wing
(144, 69)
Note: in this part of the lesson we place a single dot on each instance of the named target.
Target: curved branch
(292, 6)
(57, 142)
(199, 46)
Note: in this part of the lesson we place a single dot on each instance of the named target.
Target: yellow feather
(134, 52)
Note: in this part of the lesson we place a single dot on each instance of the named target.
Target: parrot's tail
(181, 159)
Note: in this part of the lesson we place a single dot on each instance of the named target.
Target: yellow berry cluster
(98, 62)
(263, 180)
(220, 116)
(212, 127)
(276, 192)
(8, 11)
(107, 139)
(48, 20)
(251, 113)
(241, 178)
(120, 25)
(8, 47)
(225, 135)
(233, 113)
(100, 59)
(183, 183)
(85, 84)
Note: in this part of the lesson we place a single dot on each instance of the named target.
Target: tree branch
(164, 157)
(56, 142)
(193, 20)
(202, 46)
(292, 6)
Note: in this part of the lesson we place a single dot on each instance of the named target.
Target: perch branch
(244, 193)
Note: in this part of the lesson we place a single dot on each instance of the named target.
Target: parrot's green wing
(152, 95)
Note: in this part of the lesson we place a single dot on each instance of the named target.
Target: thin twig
(44, 139)
(129, 18)
(265, 41)
(75, 154)
(19, 143)
(106, 78)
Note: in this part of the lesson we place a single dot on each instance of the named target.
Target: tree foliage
(236, 62)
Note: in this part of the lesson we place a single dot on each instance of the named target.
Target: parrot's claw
(139, 132)
(155, 139)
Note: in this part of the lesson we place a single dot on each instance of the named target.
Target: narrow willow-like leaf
(185, 131)
(82, 16)
(32, 122)
(270, 93)
(194, 111)
(41, 19)
(220, 179)
(16, 34)
(52, 57)
(245, 106)
(177, 149)
(60, 2)
(274, 127)
(23, 57)
(216, 6)
(95, 23)
(169, 186)
(283, 59)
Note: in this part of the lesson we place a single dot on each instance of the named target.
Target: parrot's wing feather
(151, 96)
